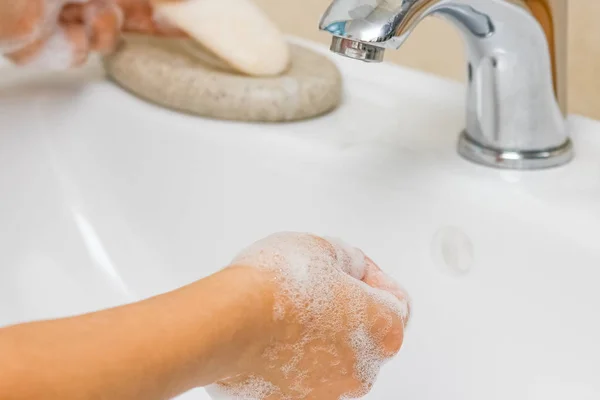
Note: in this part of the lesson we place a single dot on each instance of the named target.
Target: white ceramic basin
(107, 199)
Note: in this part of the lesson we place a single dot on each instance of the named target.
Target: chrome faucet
(516, 91)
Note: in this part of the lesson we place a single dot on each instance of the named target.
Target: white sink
(107, 199)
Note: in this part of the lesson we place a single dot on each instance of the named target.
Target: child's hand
(337, 317)
(61, 34)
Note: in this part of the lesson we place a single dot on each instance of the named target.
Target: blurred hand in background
(60, 34)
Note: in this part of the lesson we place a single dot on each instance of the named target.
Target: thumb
(391, 317)
(378, 279)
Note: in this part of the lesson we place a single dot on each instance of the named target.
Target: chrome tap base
(473, 151)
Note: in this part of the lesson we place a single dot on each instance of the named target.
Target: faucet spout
(516, 63)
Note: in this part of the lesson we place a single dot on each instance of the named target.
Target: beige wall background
(436, 47)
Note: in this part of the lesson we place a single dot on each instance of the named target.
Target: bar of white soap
(237, 31)
(165, 72)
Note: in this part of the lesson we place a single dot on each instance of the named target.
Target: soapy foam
(56, 54)
(369, 357)
(12, 45)
(313, 272)
(254, 388)
(352, 259)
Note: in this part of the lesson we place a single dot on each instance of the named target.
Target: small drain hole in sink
(452, 251)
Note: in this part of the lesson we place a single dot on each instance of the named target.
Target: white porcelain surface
(106, 199)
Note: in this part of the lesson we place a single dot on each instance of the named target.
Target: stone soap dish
(177, 74)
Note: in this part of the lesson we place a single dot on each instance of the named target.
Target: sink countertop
(108, 199)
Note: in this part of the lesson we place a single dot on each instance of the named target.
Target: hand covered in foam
(59, 34)
(338, 318)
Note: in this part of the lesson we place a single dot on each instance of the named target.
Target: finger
(68, 46)
(103, 21)
(20, 17)
(386, 325)
(350, 259)
(388, 330)
(72, 14)
(139, 17)
(22, 22)
(378, 279)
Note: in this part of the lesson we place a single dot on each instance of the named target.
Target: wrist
(234, 315)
